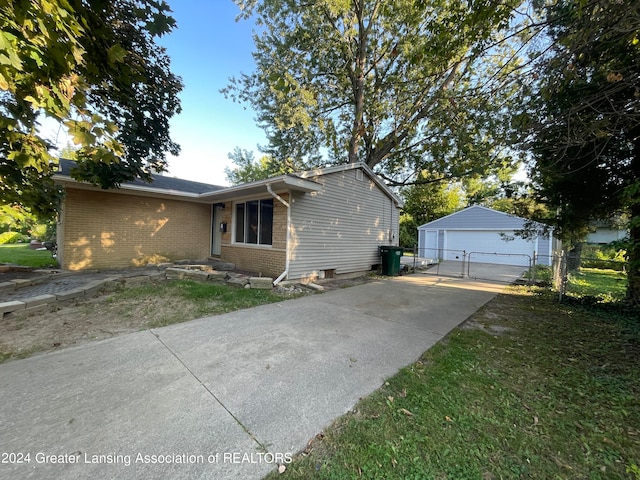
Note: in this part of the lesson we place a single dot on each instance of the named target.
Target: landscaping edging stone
(42, 302)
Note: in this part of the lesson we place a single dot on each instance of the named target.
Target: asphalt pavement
(225, 397)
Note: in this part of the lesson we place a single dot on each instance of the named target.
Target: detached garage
(481, 234)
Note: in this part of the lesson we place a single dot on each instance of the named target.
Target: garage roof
(477, 217)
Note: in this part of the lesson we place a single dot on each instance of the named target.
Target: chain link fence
(578, 276)
(568, 273)
(493, 266)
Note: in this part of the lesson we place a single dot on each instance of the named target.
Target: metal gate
(448, 263)
(497, 267)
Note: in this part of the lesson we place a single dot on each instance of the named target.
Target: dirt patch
(496, 318)
(93, 319)
(108, 316)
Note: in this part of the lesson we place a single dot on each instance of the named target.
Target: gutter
(286, 204)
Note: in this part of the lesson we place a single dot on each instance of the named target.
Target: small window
(254, 222)
(266, 222)
(240, 222)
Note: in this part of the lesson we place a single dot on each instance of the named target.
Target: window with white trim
(254, 222)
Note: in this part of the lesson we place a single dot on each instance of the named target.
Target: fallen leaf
(535, 420)
(390, 398)
(448, 418)
(406, 412)
(281, 469)
(403, 393)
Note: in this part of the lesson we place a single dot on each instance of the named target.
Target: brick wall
(115, 230)
(265, 261)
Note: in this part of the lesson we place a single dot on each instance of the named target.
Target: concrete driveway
(229, 396)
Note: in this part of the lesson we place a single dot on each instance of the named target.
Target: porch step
(217, 264)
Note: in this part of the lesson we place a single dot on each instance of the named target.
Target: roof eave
(284, 182)
(281, 183)
(128, 189)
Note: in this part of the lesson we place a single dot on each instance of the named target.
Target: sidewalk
(208, 398)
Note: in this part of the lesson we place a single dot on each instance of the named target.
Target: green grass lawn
(537, 389)
(193, 299)
(21, 254)
(603, 285)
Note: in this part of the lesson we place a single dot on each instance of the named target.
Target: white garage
(481, 234)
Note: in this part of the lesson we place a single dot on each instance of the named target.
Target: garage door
(491, 247)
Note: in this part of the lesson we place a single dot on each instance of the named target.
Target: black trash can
(390, 256)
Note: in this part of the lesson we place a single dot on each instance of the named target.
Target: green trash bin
(390, 256)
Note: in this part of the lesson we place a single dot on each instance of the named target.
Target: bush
(607, 257)
(39, 232)
(544, 274)
(11, 237)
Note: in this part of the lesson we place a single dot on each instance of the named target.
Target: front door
(216, 234)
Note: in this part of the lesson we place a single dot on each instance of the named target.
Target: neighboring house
(603, 232)
(484, 235)
(304, 226)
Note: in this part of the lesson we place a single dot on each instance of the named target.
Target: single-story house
(303, 226)
(484, 235)
(603, 232)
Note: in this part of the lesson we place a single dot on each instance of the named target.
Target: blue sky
(207, 48)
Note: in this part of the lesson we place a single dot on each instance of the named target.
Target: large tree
(402, 85)
(93, 67)
(248, 169)
(584, 119)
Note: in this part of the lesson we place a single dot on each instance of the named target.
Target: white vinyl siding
(488, 235)
(341, 226)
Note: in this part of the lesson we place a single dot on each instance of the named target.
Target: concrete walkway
(207, 398)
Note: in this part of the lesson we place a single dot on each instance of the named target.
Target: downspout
(286, 204)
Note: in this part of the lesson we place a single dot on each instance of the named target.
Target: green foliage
(93, 67)
(431, 199)
(582, 122)
(14, 217)
(599, 285)
(543, 275)
(403, 86)
(247, 169)
(604, 252)
(39, 231)
(408, 237)
(607, 257)
(18, 218)
(11, 237)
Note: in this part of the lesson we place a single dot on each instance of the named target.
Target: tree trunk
(574, 258)
(358, 82)
(633, 253)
